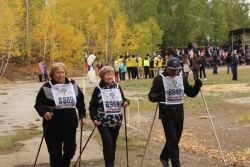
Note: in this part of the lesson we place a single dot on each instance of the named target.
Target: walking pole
(80, 147)
(84, 146)
(213, 129)
(149, 135)
(41, 143)
(126, 137)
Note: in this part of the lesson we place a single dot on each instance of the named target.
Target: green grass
(8, 142)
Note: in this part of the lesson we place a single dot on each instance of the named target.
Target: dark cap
(174, 63)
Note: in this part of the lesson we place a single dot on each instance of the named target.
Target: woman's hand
(96, 123)
(48, 115)
(82, 121)
(125, 104)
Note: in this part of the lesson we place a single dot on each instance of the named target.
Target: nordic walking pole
(41, 143)
(80, 147)
(84, 146)
(213, 129)
(149, 135)
(126, 137)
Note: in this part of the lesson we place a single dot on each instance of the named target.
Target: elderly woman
(56, 102)
(105, 111)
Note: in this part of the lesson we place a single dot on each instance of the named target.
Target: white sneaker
(201, 79)
(205, 79)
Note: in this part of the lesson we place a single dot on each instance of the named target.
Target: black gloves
(198, 83)
(161, 96)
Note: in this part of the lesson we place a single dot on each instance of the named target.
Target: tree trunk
(10, 47)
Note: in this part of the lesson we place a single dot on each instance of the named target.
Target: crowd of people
(197, 61)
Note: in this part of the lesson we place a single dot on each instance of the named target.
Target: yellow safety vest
(146, 63)
(134, 64)
(155, 60)
(139, 62)
(129, 62)
(159, 62)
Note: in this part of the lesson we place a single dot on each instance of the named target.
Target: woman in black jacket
(106, 112)
(168, 90)
(202, 63)
(56, 102)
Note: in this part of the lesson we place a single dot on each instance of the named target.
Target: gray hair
(54, 66)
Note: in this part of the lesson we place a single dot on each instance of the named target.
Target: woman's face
(173, 72)
(59, 75)
(108, 77)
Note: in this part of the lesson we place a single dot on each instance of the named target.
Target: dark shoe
(164, 163)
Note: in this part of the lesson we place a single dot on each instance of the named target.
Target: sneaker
(205, 79)
(164, 163)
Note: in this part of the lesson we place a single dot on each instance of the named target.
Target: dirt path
(198, 146)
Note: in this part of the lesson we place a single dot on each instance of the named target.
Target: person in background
(105, 109)
(234, 66)
(146, 64)
(116, 70)
(195, 66)
(229, 62)
(134, 68)
(202, 63)
(152, 66)
(168, 91)
(99, 65)
(123, 70)
(45, 72)
(120, 60)
(40, 70)
(180, 57)
(215, 62)
(139, 65)
(56, 102)
(158, 65)
(129, 66)
(186, 65)
(248, 57)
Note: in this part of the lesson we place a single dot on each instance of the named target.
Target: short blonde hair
(54, 66)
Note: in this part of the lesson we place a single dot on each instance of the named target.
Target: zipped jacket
(62, 119)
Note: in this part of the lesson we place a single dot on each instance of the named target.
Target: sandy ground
(17, 113)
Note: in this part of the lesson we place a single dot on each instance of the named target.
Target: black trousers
(129, 69)
(146, 72)
(215, 68)
(58, 141)
(40, 77)
(173, 129)
(202, 70)
(109, 137)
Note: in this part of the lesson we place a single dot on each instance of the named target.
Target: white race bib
(174, 89)
(64, 95)
(112, 101)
